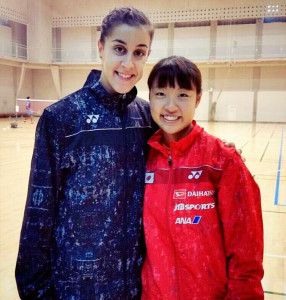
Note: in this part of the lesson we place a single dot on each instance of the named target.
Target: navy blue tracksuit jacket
(82, 234)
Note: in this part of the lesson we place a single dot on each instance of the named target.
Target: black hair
(174, 69)
(124, 15)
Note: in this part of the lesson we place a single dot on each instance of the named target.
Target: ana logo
(92, 119)
(195, 174)
(180, 194)
(196, 220)
(149, 177)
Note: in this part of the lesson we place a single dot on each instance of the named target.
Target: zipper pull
(170, 160)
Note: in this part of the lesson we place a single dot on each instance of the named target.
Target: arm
(33, 268)
(239, 207)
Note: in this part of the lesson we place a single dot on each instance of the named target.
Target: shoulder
(217, 144)
(70, 103)
(63, 114)
(140, 108)
(141, 104)
(215, 150)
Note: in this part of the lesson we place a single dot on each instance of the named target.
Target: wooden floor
(264, 148)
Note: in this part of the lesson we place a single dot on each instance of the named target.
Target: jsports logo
(195, 174)
(188, 220)
(189, 206)
(180, 194)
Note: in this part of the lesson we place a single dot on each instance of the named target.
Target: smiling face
(173, 108)
(124, 54)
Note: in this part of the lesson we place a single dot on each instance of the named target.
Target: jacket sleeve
(33, 267)
(239, 207)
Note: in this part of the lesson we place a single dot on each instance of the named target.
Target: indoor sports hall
(48, 47)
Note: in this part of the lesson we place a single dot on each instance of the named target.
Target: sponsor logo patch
(180, 194)
(182, 206)
(92, 119)
(195, 174)
(188, 220)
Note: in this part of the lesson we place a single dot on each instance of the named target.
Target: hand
(238, 151)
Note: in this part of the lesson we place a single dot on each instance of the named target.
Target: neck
(176, 137)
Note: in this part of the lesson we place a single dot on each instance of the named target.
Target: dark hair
(124, 15)
(174, 69)
(28, 97)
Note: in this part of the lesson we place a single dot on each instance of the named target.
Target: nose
(127, 61)
(171, 104)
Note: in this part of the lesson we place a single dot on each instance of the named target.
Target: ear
(100, 48)
(198, 100)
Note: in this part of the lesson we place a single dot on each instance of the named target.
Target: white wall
(39, 31)
(273, 78)
(192, 42)
(76, 44)
(7, 94)
(159, 48)
(235, 85)
(271, 106)
(235, 41)
(5, 41)
(233, 79)
(274, 40)
(234, 106)
(43, 85)
(27, 87)
(68, 7)
(72, 80)
(202, 112)
(20, 5)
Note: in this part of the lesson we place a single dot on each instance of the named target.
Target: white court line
(240, 132)
(275, 255)
(268, 172)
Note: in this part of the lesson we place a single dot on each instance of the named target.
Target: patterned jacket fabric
(202, 222)
(82, 235)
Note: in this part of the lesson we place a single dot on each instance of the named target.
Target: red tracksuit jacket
(202, 222)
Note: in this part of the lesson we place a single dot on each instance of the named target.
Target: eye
(159, 94)
(182, 95)
(119, 49)
(139, 53)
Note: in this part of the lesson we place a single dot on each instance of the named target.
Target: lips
(124, 76)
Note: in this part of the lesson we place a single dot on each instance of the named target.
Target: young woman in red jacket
(202, 208)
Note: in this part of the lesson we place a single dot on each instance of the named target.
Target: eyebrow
(124, 43)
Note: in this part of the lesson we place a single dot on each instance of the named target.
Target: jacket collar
(175, 147)
(118, 101)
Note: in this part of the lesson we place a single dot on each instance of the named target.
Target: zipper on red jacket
(169, 159)
(170, 162)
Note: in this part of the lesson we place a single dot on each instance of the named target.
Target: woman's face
(124, 54)
(173, 109)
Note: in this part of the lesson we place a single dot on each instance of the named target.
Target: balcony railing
(200, 53)
(13, 51)
(193, 52)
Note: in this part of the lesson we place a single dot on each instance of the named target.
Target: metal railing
(206, 53)
(14, 51)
